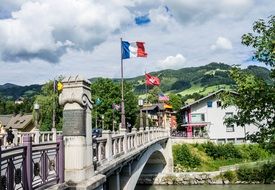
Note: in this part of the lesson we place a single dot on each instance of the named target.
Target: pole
(122, 93)
(95, 118)
(54, 91)
(146, 114)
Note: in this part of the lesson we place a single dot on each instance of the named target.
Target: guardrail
(111, 146)
(30, 166)
(37, 137)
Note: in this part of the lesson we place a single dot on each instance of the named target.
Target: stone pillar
(54, 134)
(36, 136)
(109, 144)
(134, 130)
(77, 129)
(125, 142)
(15, 133)
(114, 181)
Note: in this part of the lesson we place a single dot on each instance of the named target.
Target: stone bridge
(115, 160)
(76, 160)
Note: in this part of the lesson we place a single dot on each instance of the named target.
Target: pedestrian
(10, 136)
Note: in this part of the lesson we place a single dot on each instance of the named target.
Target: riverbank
(192, 178)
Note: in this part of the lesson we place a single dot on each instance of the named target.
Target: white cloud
(222, 44)
(186, 11)
(45, 28)
(172, 62)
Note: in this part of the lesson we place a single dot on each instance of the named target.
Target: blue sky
(42, 39)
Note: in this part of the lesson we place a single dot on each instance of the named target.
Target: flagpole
(122, 93)
(54, 90)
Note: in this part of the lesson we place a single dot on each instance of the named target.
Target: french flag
(132, 49)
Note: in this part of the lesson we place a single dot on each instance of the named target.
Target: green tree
(109, 93)
(46, 100)
(175, 101)
(153, 94)
(255, 98)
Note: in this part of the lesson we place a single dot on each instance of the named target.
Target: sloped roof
(4, 119)
(203, 98)
(19, 121)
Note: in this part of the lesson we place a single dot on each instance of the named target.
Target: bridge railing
(30, 166)
(37, 137)
(111, 146)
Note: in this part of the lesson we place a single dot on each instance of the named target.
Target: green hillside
(202, 80)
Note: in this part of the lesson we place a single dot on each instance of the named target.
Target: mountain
(12, 91)
(202, 79)
(197, 79)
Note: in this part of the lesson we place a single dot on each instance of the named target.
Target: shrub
(183, 156)
(230, 176)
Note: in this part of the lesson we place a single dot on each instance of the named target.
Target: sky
(43, 39)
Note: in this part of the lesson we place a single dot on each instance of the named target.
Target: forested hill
(184, 81)
(213, 74)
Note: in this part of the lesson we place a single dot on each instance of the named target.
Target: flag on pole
(132, 49)
(163, 97)
(59, 86)
(151, 80)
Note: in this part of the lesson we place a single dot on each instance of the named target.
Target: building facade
(205, 117)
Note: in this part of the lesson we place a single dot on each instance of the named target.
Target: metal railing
(31, 166)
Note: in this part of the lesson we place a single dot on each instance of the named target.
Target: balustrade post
(109, 148)
(61, 158)
(141, 135)
(54, 134)
(36, 136)
(125, 147)
(5, 139)
(28, 167)
(147, 129)
(134, 130)
(15, 139)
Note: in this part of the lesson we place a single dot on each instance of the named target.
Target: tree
(45, 99)
(109, 93)
(175, 101)
(255, 98)
(153, 94)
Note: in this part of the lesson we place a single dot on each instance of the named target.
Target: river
(205, 187)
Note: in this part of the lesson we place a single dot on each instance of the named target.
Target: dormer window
(209, 104)
(219, 103)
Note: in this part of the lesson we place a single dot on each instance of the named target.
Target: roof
(19, 121)
(4, 119)
(209, 95)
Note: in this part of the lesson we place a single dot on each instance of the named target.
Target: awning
(196, 124)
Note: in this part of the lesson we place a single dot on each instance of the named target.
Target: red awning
(196, 124)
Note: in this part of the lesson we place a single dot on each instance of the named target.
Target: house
(161, 114)
(21, 122)
(19, 101)
(4, 120)
(204, 118)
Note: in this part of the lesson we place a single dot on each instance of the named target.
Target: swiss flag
(151, 80)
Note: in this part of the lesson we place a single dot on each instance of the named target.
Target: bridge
(74, 160)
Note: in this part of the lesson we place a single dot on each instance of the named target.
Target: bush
(183, 156)
(264, 173)
(230, 176)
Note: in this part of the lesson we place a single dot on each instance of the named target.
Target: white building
(204, 118)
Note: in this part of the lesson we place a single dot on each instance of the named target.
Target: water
(205, 187)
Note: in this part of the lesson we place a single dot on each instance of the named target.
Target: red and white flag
(151, 80)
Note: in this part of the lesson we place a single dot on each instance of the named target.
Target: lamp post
(102, 116)
(36, 109)
(140, 103)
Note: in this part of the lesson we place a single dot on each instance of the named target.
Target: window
(219, 103)
(209, 104)
(228, 115)
(197, 117)
(230, 128)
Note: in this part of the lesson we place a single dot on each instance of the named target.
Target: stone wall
(187, 178)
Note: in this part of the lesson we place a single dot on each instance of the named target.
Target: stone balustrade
(113, 145)
(37, 136)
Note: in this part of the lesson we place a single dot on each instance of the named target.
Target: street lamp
(140, 103)
(36, 109)
(102, 116)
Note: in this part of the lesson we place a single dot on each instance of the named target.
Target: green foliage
(231, 176)
(48, 100)
(262, 173)
(255, 97)
(213, 156)
(222, 151)
(153, 94)
(110, 93)
(183, 156)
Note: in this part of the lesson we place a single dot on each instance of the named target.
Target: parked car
(96, 133)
